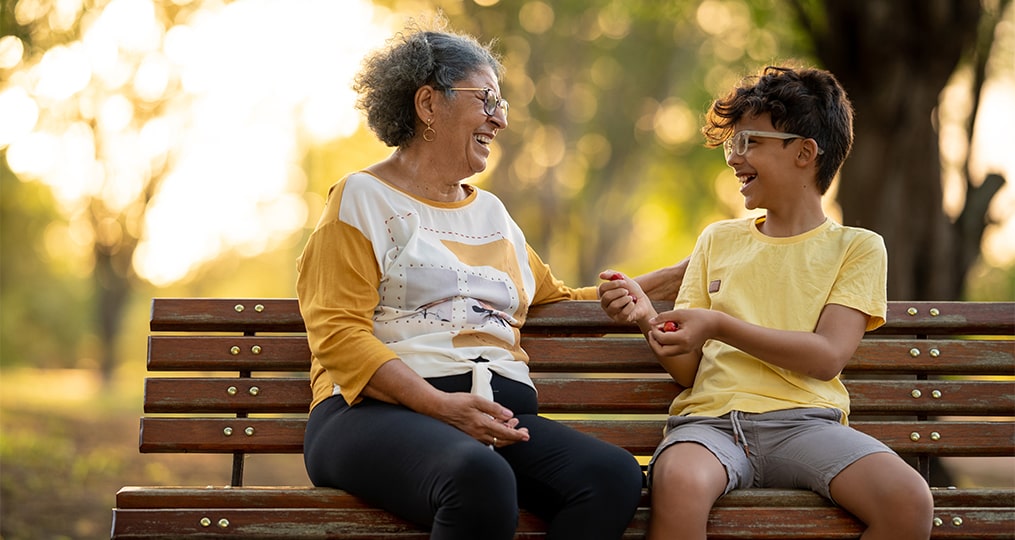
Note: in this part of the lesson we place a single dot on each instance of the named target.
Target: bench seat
(255, 512)
(229, 376)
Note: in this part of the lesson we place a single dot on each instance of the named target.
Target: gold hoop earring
(429, 132)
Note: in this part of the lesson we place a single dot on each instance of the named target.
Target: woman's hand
(482, 419)
(486, 421)
(623, 299)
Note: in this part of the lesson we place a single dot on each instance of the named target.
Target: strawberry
(669, 326)
(618, 276)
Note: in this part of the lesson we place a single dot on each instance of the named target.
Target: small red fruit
(618, 276)
(669, 326)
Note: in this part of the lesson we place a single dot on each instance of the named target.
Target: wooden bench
(937, 380)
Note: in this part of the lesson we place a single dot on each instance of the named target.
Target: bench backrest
(230, 376)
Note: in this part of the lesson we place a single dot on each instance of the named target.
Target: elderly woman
(413, 288)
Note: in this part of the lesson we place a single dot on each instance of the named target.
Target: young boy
(770, 310)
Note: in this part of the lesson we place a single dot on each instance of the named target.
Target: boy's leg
(811, 448)
(886, 494)
(686, 480)
(696, 463)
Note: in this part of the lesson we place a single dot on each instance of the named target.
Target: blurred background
(184, 148)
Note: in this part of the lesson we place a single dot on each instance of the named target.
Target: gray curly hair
(389, 78)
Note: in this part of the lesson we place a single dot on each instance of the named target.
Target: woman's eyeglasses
(491, 101)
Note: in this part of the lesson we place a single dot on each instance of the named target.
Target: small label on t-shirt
(713, 286)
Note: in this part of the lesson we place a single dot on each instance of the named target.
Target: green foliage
(44, 293)
(990, 284)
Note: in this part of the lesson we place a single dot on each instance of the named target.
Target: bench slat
(887, 355)
(593, 395)
(320, 512)
(757, 523)
(934, 356)
(226, 315)
(640, 437)
(580, 355)
(223, 395)
(228, 353)
(282, 315)
(141, 497)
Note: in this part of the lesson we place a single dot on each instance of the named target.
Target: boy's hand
(622, 298)
(682, 331)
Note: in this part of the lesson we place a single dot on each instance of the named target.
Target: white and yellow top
(388, 275)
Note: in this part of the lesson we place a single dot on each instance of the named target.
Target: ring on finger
(495, 441)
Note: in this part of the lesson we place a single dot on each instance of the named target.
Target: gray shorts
(792, 448)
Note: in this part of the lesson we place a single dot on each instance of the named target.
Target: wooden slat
(223, 395)
(934, 356)
(944, 318)
(580, 354)
(226, 315)
(208, 435)
(322, 513)
(152, 497)
(228, 353)
(957, 397)
(282, 315)
(888, 355)
(955, 438)
(640, 437)
(724, 524)
(590, 395)
(953, 318)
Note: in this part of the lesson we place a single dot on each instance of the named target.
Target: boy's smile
(775, 174)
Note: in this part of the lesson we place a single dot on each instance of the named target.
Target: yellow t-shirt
(387, 275)
(781, 283)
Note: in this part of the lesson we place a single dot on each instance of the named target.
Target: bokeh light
(209, 115)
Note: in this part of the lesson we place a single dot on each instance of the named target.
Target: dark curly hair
(389, 78)
(809, 102)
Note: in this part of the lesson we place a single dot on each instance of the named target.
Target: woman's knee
(476, 493)
(476, 476)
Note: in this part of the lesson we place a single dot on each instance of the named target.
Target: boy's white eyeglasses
(737, 144)
(491, 101)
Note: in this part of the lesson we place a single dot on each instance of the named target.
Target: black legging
(431, 473)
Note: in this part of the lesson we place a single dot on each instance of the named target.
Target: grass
(67, 444)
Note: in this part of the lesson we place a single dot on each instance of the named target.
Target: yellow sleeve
(549, 289)
(862, 283)
(336, 286)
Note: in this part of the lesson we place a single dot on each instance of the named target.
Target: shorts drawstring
(738, 432)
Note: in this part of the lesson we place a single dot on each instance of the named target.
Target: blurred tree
(43, 292)
(107, 216)
(895, 58)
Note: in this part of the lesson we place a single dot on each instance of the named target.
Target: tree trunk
(894, 58)
(113, 279)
